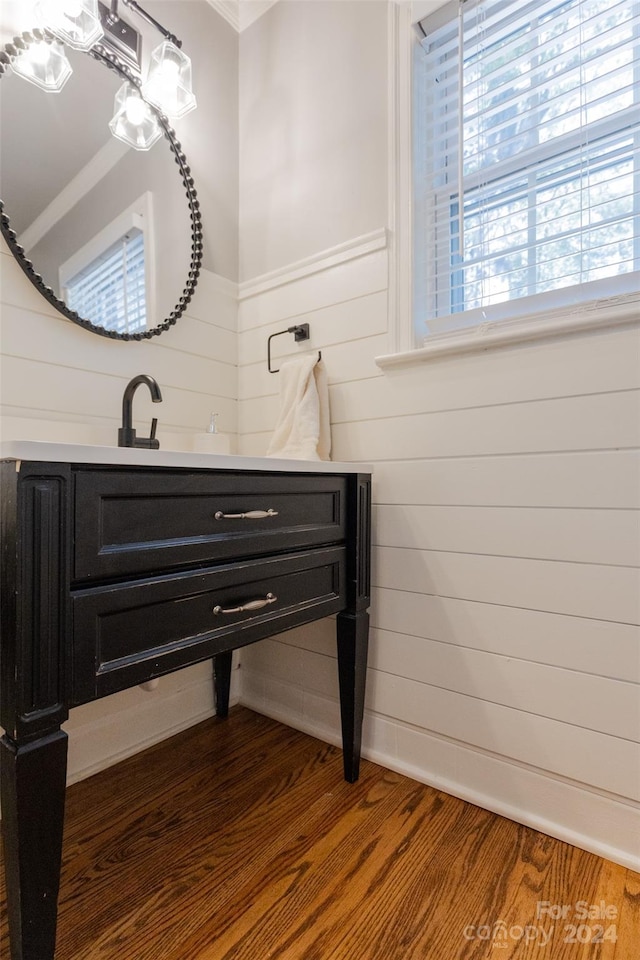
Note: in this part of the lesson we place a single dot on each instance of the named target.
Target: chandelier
(90, 24)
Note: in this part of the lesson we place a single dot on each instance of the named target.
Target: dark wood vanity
(116, 573)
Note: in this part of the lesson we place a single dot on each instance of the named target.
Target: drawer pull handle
(251, 605)
(249, 515)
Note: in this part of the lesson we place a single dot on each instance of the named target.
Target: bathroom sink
(124, 564)
(46, 451)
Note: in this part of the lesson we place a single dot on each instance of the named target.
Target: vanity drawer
(135, 521)
(128, 633)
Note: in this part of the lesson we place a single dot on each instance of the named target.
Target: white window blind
(526, 158)
(111, 290)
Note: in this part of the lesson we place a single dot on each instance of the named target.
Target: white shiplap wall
(505, 654)
(59, 382)
(56, 372)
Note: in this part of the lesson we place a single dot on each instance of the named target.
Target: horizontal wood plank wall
(57, 373)
(60, 382)
(505, 657)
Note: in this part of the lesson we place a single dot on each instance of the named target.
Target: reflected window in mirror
(111, 288)
(111, 278)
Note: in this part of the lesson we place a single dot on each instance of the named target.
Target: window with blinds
(526, 158)
(111, 290)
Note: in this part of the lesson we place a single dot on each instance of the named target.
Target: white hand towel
(303, 431)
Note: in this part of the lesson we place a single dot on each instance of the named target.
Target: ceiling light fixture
(93, 25)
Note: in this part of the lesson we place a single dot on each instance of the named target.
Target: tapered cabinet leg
(222, 681)
(353, 643)
(32, 781)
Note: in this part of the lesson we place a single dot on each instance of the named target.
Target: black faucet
(126, 433)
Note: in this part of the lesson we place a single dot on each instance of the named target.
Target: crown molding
(241, 13)
(228, 10)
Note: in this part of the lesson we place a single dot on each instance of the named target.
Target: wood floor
(239, 840)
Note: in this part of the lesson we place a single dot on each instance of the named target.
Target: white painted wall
(312, 152)
(59, 382)
(505, 655)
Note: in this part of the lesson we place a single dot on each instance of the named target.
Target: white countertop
(131, 456)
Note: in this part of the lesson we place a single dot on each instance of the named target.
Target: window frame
(609, 307)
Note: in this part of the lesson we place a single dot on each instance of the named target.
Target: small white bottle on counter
(211, 441)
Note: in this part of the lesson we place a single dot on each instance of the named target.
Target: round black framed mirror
(71, 196)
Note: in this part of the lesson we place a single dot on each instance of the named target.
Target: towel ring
(300, 332)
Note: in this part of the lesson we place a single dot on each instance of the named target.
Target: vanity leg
(33, 780)
(222, 681)
(353, 643)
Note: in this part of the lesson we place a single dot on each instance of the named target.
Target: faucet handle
(150, 442)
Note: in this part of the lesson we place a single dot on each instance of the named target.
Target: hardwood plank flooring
(239, 840)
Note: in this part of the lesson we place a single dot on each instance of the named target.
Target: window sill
(597, 315)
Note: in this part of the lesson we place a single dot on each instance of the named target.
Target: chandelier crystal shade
(168, 83)
(45, 64)
(134, 121)
(77, 22)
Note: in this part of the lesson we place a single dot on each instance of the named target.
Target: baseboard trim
(544, 793)
(107, 741)
(529, 818)
(109, 760)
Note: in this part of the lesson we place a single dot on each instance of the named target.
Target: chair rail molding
(317, 263)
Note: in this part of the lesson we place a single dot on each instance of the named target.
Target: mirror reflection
(107, 227)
